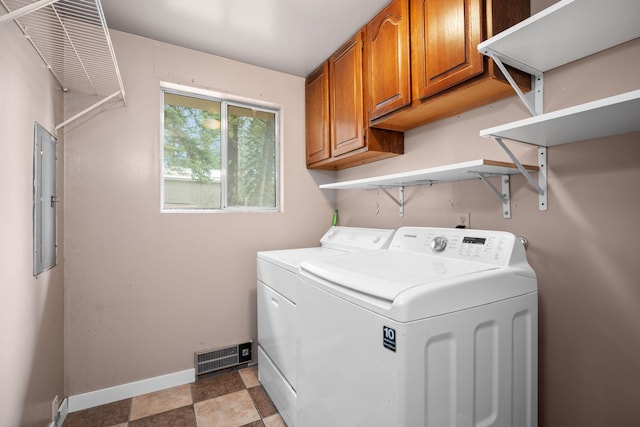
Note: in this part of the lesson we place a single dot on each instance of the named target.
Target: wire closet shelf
(72, 38)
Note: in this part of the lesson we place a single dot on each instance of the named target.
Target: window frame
(226, 101)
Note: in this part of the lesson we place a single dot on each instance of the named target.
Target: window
(218, 154)
(44, 200)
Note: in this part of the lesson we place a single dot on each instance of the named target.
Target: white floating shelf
(605, 117)
(454, 172)
(566, 31)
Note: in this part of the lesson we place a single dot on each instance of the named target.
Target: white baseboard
(63, 410)
(125, 391)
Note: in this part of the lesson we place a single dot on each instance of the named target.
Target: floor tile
(231, 410)
(181, 417)
(262, 401)
(230, 399)
(160, 401)
(218, 385)
(249, 376)
(274, 421)
(100, 416)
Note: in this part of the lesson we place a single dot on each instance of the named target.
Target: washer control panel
(495, 247)
(439, 243)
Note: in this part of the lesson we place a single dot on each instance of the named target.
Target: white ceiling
(292, 36)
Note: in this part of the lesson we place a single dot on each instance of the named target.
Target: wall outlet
(54, 409)
(463, 220)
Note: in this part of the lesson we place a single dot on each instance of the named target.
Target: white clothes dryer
(277, 289)
(438, 330)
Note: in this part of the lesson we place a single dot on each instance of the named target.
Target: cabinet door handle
(274, 302)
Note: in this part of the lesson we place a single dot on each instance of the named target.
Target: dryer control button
(438, 244)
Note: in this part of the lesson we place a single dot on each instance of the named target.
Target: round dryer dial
(438, 244)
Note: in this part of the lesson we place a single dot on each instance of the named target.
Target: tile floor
(230, 399)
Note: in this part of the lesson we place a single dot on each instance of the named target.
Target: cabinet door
(346, 109)
(444, 39)
(317, 115)
(387, 59)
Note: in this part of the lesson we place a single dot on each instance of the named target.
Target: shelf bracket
(399, 201)
(504, 196)
(534, 99)
(90, 108)
(541, 185)
(542, 178)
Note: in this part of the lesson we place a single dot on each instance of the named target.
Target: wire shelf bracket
(72, 39)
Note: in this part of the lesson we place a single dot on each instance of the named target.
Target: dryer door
(277, 330)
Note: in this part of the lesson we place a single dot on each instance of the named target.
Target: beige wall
(31, 310)
(144, 290)
(584, 248)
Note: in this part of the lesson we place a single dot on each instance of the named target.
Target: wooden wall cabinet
(387, 60)
(448, 74)
(337, 132)
(345, 95)
(317, 115)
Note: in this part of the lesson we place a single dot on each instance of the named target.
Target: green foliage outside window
(218, 155)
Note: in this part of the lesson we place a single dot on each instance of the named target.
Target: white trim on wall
(82, 401)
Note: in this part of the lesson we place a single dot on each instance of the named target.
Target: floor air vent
(221, 358)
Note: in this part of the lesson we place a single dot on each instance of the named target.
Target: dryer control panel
(356, 239)
(494, 247)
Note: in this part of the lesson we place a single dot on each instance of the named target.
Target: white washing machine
(277, 314)
(439, 330)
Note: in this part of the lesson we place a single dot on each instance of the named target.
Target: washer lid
(291, 258)
(386, 274)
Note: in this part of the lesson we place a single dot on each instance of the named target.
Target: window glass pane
(251, 158)
(192, 153)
